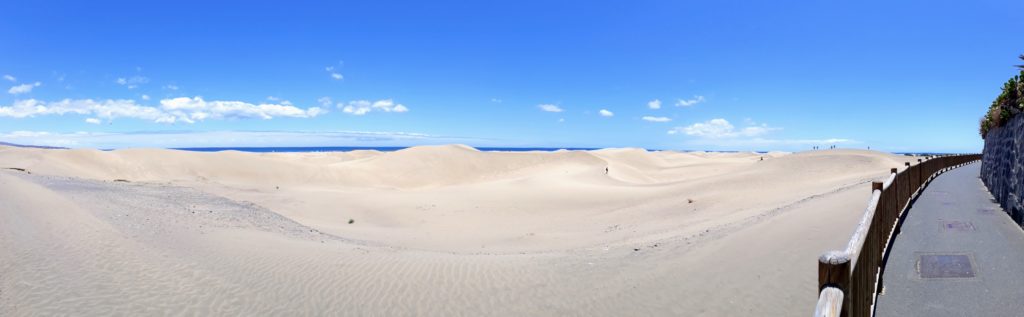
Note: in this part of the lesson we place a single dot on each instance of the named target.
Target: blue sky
(729, 75)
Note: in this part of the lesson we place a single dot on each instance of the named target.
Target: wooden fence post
(889, 217)
(921, 179)
(834, 271)
(895, 188)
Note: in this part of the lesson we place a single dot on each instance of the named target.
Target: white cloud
(92, 120)
(361, 107)
(183, 109)
(24, 134)
(721, 128)
(10, 78)
(560, 120)
(549, 108)
(334, 74)
(495, 100)
(279, 100)
(356, 108)
(325, 101)
(656, 119)
(171, 87)
(654, 104)
(606, 113)
(132, 82)
(312, 112)
(23, 88)
(689, 102)
(180, 139)
(196, 109)
(766, 143)
(145, 97)
(756, 130)
(107, 109)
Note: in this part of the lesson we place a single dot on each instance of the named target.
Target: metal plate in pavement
(957, 226)
(945, 266)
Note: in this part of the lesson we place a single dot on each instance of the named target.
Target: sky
(900, 76)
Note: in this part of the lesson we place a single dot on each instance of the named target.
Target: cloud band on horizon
(189, 139)
(173, 110)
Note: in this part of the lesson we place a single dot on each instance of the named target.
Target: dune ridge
(435, 230)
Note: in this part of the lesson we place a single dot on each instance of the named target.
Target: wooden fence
(849, 279)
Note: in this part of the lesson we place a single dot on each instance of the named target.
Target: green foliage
(983, 126)
(1008, 104)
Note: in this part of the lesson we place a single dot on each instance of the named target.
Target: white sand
(441, 230)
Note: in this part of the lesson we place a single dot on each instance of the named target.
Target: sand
(435, 230)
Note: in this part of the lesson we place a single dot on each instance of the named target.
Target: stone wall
(1002, 166)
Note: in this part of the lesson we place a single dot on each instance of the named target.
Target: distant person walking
(606, 170)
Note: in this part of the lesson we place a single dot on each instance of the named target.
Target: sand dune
(436, 230)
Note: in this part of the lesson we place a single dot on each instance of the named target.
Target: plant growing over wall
(1007, 105)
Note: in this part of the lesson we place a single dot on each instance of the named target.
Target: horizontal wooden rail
(829, 302)
(849, 279)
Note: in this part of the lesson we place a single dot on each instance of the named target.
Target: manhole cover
(957, 225)
(945, 266)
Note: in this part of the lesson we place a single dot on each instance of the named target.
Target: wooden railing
(850, 279)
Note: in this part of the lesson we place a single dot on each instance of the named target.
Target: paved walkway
(958, 254)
